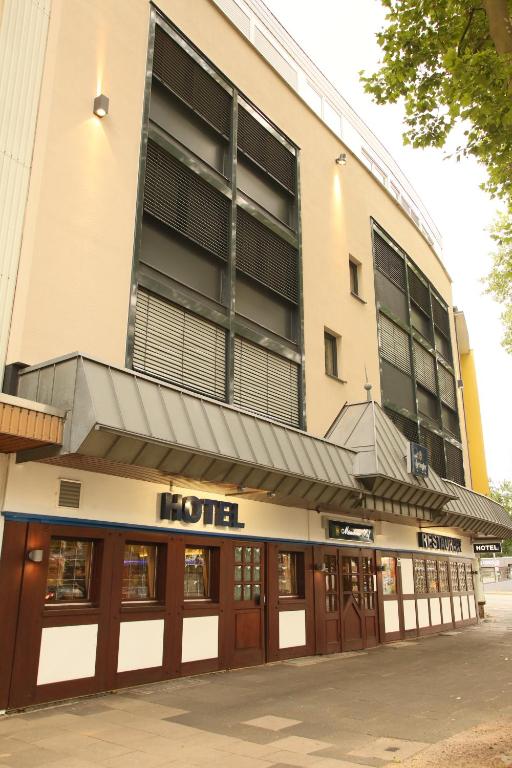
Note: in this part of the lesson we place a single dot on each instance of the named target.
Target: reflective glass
(139, 572)
(69, 571)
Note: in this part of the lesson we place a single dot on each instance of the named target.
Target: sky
(339, 36)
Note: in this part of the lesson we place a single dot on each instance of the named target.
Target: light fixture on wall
(341, 159)
(101, 105)
(36, 555)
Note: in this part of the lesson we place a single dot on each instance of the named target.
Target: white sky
(339, 36)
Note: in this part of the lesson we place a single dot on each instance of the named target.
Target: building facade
(259, 450)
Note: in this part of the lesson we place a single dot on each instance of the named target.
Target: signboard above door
(484, 547)
(346, 531)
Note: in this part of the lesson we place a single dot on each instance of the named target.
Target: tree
(502, 493)
(451, 63)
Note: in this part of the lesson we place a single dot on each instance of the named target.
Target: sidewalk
(369, 708)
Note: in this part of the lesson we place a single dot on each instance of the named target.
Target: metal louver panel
(267, 258)
(447, 388)
(179, 198)
(419, 292)
(69, 494)
(173, 344)
(425, 367)
(266, 383)
(191, 83)
(407, 427)
(267, 151)
(394, 344)
(434, 443)
(441, 318)
(454, 464)
(388, 261)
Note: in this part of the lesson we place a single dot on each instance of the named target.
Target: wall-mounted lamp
(271, 494)
(36, 555)
(101, 105)
(341, 159)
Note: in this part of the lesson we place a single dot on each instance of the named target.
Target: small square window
(331, 354)
(354, 277)
(69, 571)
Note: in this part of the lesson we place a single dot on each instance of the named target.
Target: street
(436, 701)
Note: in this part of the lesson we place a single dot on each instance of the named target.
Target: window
(420, 577)
(331, 354)
(469, 577)
(248, 573)
(462, 577)
(290, 573)
(454, 574)
(139, 572)
(389, 581)
(444, 585)
(198, 573)
(331, 583)
(354, 277)
(432, 576)
(69, 571)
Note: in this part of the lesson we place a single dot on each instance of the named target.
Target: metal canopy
(476, 513)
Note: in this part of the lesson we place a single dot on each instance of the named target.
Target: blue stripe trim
(24, 517)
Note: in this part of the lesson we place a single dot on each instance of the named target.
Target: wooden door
(359, 617)
(327, 600)
(247, 588)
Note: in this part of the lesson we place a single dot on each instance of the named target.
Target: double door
(347, 610)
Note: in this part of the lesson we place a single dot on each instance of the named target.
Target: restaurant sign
(350, 531)
(435, 541)
(190, 509)
(417, 460)
(483, 547)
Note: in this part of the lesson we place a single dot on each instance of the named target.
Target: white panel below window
(472, 606)
(67, 653)
(456, 608)
(423, 617)
(465, 607)
(446, 605)
(435, 611)
(200, 639)
(409, 614)
(141, 645)
(407, 576)
(292, 629)
(391, 619)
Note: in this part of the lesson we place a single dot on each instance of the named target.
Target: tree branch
(500, 25)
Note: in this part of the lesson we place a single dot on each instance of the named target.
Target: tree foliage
(502, 493)
(450, 61)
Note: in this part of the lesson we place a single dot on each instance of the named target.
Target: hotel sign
(483, 547)
(190, 509)
(417, 460)
(350, 531)
(435, 541)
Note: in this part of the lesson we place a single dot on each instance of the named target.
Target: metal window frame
(223, 313)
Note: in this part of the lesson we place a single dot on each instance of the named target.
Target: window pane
(444, 585)
(433, 581)
(354, 281)
(389, 575)
(139, 572)
(287, 570)
(420, 579)
(454, 576)
(69, 571)
(331, 362)
(197, 573)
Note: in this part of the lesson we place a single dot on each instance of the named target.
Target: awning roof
(475, 512)
(25, 424)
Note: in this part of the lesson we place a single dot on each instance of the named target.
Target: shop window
(469, 577)
(389, 580)
(462, 576)
(290, 572)
(444, 585)
(331, 354)
(432, 576)
(420, 577)
(331, 583)
(139, 572)
(454, 574)
(69, 571)
(248, 573)
(200, 573)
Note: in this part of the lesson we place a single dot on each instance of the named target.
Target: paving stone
(300, 744)
(272, 723)
(385, 748)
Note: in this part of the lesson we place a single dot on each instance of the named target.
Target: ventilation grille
(441, 319)
(69, 494)
(434, 443)
(266, 383)
(173, 344)
(407, 427)
(388, 261)
(266, 257)
(394, 345)
(425, 367)
(419, 292)
(267, 151)
(447, 388)
(183, 201)
(191, 83)
(454, 464)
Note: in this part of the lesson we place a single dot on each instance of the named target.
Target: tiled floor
(360, 709)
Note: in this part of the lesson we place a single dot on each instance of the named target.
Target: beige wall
(77, 255)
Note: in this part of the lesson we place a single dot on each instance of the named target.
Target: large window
(290, 574)
(389, 575)
(417, 375)
(69, 571)
(218, 231)
(139, 572)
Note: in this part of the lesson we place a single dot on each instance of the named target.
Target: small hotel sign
(434, 541)
(481, 547)
(350, 531)
(190, 509)
(417, 460)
